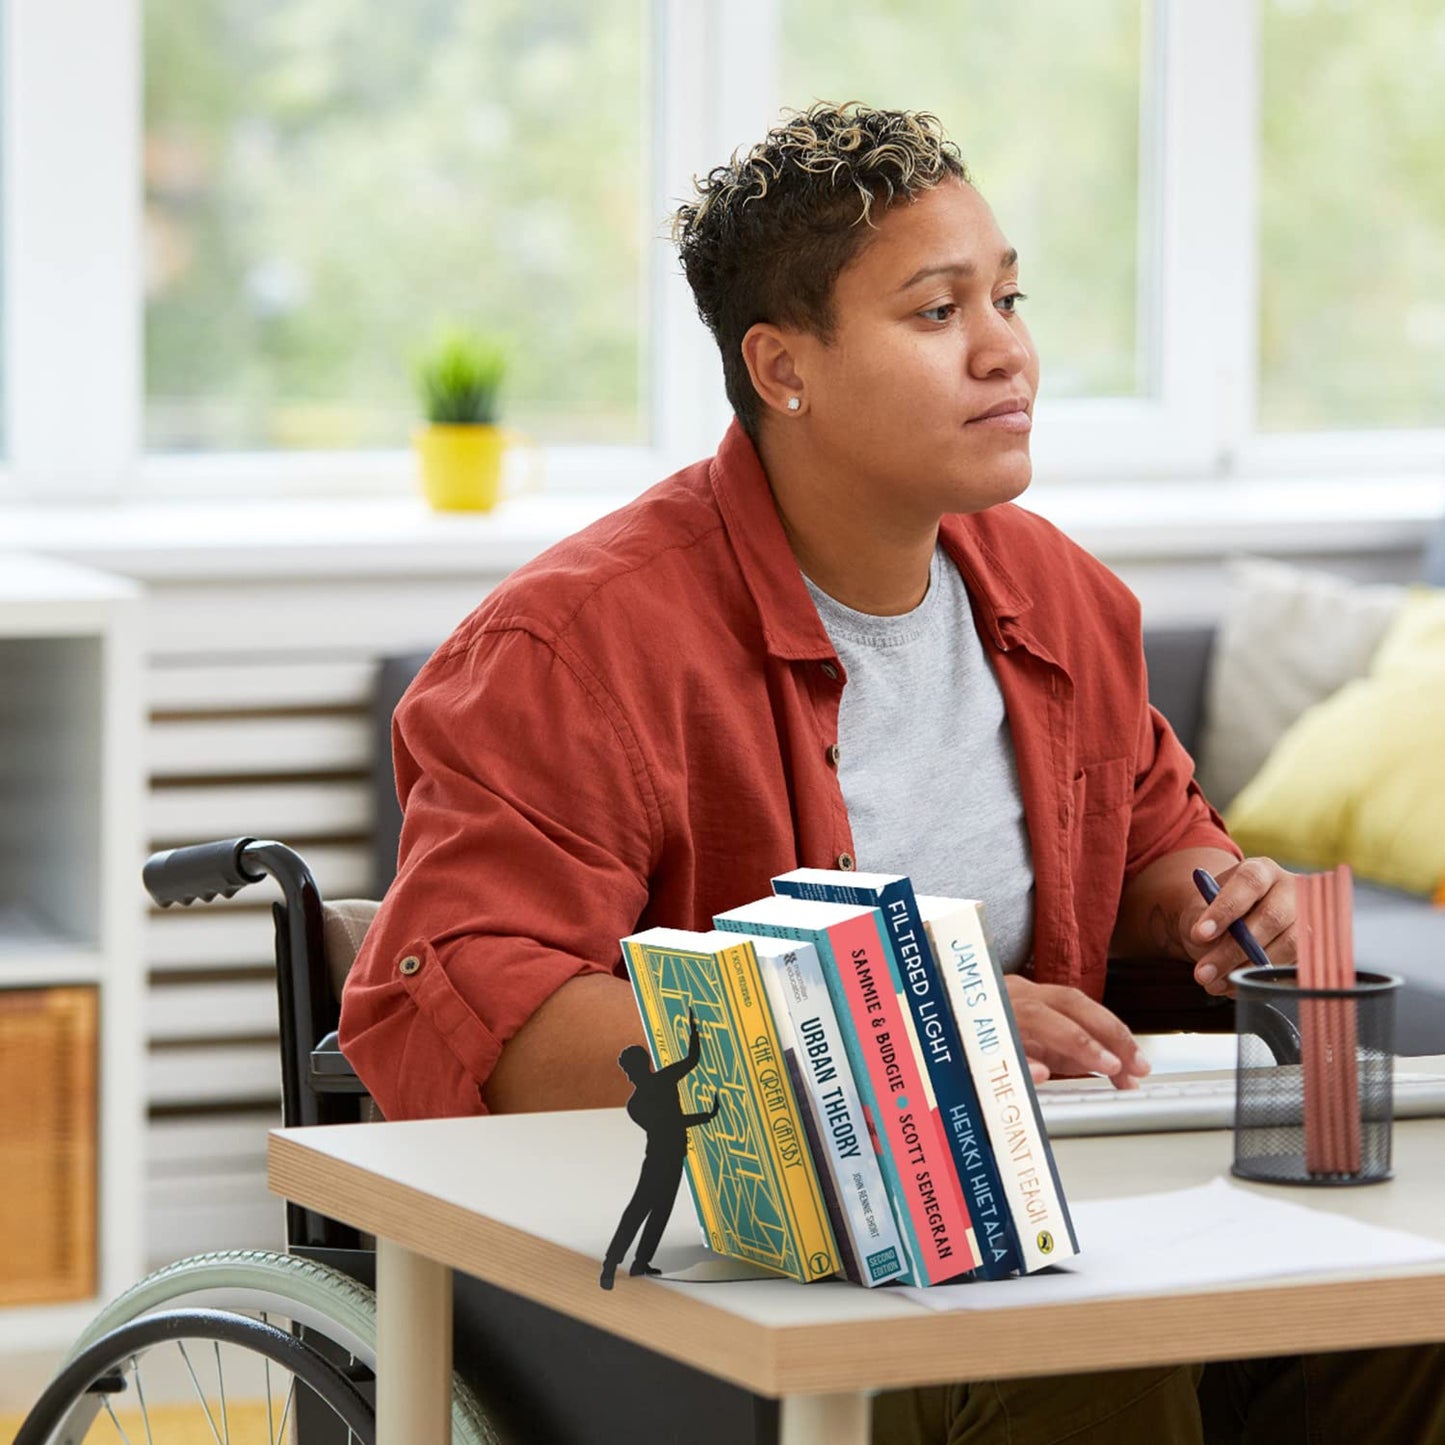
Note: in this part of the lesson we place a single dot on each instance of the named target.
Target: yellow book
(752, 1177)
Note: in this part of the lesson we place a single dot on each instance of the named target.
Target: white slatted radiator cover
(259, 701)
(277, 749)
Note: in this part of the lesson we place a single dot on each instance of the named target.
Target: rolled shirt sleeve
(528, 837)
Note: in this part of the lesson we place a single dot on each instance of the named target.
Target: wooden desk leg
(826, 1420)
(413, 1348)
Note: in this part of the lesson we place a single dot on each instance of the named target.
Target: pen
(1277, 1031)
(1204, 882)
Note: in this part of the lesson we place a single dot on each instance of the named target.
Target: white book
(803, 1012)
(1006, 1095)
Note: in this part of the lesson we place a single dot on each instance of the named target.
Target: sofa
(1394, 931)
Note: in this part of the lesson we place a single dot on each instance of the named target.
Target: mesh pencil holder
(1314, 1094)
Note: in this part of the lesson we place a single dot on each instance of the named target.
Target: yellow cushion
(1415, 638)
(1360, 777)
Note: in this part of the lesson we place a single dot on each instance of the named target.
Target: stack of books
(877, 1118)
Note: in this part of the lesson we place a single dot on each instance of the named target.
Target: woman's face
(925, 340)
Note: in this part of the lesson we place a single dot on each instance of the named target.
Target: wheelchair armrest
(331, 1073)
(1160, 996)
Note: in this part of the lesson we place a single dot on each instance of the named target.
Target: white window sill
(174, 540)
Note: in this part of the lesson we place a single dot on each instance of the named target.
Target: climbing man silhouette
(654, 1107)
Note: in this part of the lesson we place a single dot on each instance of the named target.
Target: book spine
(935, 1035)
(942, 1236)
(784, 1134)
(822, 1161)
(841, 1142)
(980, 1003)
(646, 986)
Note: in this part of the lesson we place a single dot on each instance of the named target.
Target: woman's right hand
(1064, 1031)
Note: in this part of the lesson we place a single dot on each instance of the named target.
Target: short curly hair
(769, 232)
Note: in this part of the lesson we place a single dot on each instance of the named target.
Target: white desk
(529, 1202)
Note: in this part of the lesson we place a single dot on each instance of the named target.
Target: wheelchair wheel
(279, 1289)
(77, 1404)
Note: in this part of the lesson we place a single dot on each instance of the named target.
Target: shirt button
(829, 670)
(834, 753)
(409, 965)
(845, 862)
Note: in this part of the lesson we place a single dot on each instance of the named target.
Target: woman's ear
(772, 365)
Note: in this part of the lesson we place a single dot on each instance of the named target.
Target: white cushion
(1289, 638)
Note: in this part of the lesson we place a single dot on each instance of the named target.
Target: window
(4, 440)
(243, 216)
(1352, 215)
(1042, 98)
(327, 183)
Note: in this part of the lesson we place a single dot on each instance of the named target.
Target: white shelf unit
(70, 899)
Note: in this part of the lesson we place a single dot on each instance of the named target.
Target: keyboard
(1164, 1104)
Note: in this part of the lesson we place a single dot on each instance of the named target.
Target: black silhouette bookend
(654, 1107)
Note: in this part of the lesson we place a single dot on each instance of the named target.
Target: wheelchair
(298, 1328)
(523, 1374)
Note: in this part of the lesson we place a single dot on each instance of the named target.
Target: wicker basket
(47, 1144)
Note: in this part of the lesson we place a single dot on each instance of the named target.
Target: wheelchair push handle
(205, 871)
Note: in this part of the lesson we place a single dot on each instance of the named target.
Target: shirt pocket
(1102, 787)
(1103, 793)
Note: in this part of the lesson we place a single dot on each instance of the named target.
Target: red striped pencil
(1311, 1023)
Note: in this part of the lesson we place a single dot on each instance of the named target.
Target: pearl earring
(794, 403)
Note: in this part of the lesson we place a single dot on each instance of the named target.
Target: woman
(836, 643)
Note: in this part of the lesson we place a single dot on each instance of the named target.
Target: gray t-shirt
(926, 758)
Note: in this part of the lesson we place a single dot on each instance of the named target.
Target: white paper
(1188, 1053)
(1211, 1236)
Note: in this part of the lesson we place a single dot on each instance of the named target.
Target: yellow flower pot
(461, 465)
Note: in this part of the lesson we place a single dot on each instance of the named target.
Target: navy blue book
(939, 1046)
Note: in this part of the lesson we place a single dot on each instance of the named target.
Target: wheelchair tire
(76, 1395)
(285, 1286)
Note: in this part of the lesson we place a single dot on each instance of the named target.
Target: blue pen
(1205, 883)
(1277, 1031)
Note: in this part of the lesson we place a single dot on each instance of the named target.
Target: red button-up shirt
(635, 729)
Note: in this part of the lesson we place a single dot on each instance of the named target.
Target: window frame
(71, 175)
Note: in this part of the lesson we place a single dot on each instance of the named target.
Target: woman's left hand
(1256, 890)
